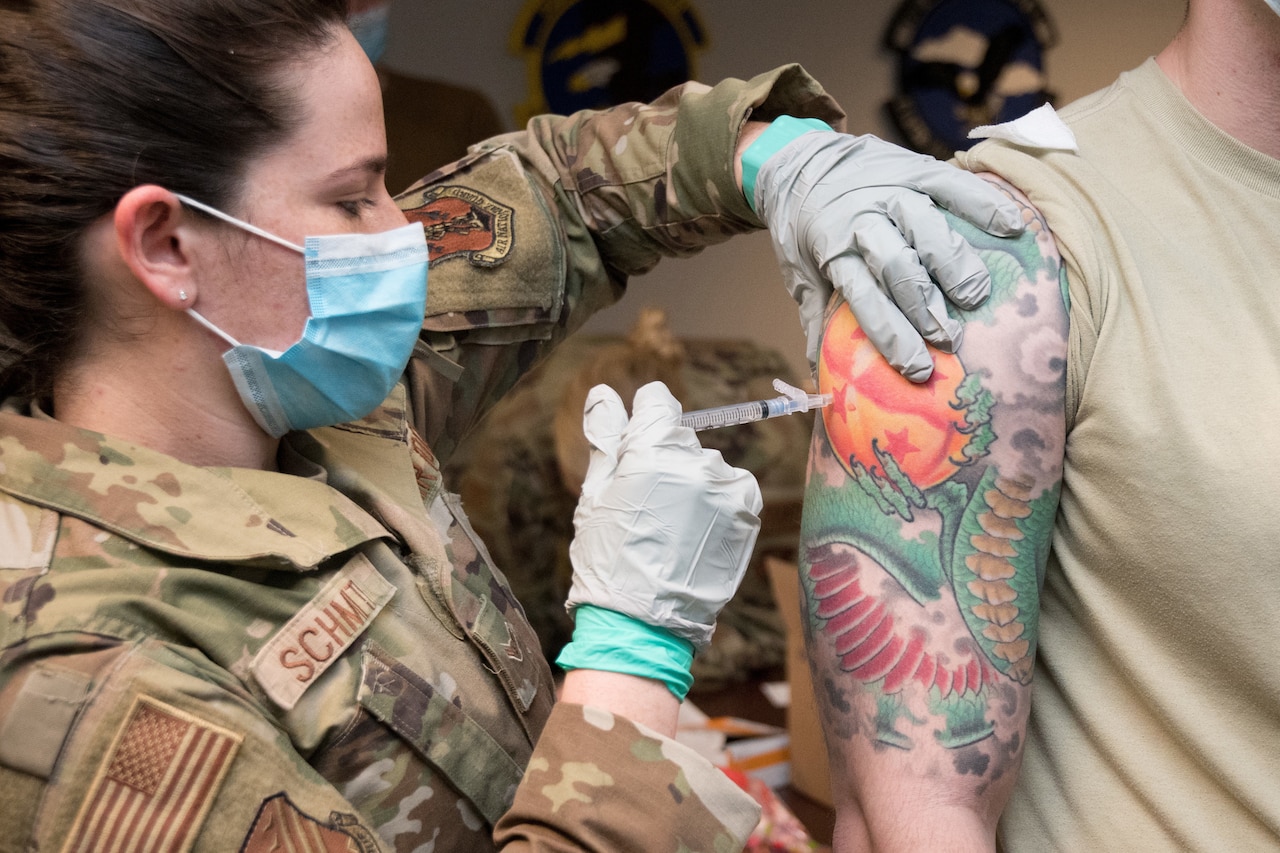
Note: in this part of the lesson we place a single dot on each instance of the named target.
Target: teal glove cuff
(614, 642)
(782, 130)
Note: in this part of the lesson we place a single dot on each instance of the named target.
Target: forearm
(660, 179)
(641, 700)
(643, 599)
(600, 782)
(750, 133)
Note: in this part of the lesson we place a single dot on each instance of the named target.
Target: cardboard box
(766, 758)
(753, 749)
(810, 770)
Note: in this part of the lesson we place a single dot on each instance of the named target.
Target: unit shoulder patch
(463, 222)
(281, 825)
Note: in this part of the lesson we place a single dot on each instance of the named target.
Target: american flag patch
(156, 785)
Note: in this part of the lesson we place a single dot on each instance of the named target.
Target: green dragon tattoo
(929, 509)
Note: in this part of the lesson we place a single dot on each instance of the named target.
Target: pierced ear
(155, 238)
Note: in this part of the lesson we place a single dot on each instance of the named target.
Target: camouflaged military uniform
(324, 657)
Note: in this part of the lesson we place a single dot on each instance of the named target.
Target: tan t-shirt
(1156, 708)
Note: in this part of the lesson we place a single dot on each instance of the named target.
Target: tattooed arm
(927, 523)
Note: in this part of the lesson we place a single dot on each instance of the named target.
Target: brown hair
(100, 96)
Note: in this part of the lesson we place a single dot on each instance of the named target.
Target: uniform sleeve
(112, 748)
(599, 782)
(536, 230)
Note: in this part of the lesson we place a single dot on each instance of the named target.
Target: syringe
(793, 400)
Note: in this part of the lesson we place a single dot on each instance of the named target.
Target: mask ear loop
(239, 223)
(208, 325)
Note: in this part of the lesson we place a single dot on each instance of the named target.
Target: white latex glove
(857, 213)
(664, 528)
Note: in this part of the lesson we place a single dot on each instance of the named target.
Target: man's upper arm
(927, 523)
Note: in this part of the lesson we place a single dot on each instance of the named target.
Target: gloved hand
(857, 213)
(664, 528)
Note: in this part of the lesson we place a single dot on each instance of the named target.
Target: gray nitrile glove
(857, 213)
(664, 528)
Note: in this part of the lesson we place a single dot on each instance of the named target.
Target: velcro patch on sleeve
(493, 242)
(32, 733)
(281, 827)
(317, 635)
(154, 789)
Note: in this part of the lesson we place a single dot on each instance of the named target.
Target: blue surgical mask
(370, 29)
(367, 294)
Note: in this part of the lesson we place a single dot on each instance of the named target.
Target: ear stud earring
(182, 296)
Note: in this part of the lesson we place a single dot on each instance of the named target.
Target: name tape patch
(317, 635)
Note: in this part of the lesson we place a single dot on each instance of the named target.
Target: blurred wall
(841, 44)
